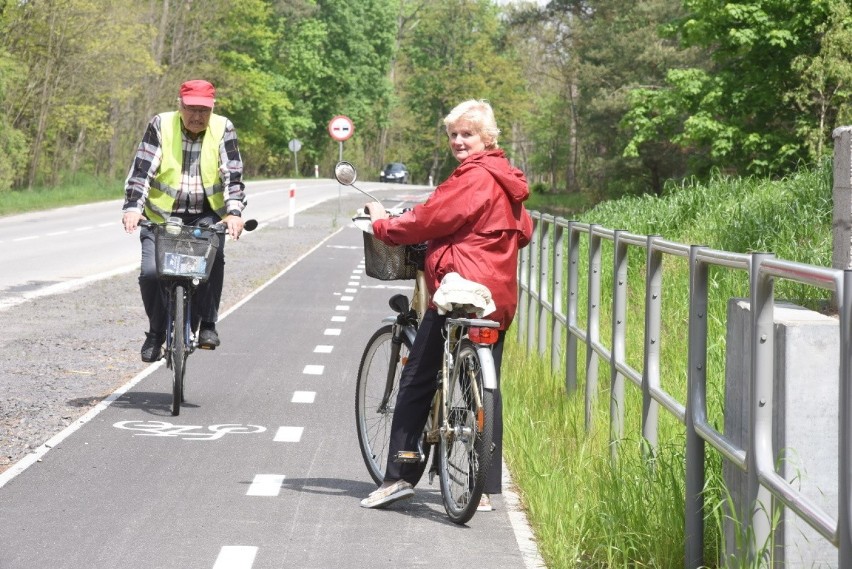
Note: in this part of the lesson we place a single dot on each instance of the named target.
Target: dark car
(395, 172)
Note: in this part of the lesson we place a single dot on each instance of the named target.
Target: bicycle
(461, 418)
(185, 255)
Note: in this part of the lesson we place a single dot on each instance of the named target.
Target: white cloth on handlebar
(470, 296)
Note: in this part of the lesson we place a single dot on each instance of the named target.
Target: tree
(824, 96)
(736, 114)
(457, 51)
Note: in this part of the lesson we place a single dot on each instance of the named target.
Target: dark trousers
(205, 302)
(414, 399)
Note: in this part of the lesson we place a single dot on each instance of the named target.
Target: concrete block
(805, 425)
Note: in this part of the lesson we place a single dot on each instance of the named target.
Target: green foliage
(13, 142)
(595, 97)
(735, 110)
(456, 53)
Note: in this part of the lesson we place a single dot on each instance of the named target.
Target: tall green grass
(587, 510)
(83, 189)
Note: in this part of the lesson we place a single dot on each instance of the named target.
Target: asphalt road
(56, 250)
(261, 469)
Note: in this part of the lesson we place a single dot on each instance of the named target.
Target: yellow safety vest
(164, 188)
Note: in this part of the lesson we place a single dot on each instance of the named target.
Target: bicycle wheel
(178, 351)
(466, 446)
(375, 398)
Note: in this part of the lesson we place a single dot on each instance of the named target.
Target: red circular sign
(341, 128)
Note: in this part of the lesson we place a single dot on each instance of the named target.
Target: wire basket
(392, 262)
(189, 253)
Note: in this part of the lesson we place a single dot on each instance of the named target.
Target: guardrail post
(593, 324)
(651, 349)
(573, 288)
(543, 283)
(695, 388)
(842, 198)
(759, 525)
(844, 462)
(558, 302)
(619, 317)
(534, 277)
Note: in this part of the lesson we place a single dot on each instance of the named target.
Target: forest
(599, 98)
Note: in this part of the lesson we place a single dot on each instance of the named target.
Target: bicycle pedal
(407, 456)
(206, 347)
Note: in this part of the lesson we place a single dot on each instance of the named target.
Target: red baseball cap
(198, 92)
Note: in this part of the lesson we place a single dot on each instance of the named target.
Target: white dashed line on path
(235, 557)
(288, 434)
(266, 485)
(303, 397)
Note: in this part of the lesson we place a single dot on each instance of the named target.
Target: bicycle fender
(489, 374)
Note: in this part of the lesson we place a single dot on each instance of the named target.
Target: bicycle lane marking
(37, 454)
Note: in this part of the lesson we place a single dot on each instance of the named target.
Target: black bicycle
(185, 256)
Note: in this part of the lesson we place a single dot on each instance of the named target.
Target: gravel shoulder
(63, 354)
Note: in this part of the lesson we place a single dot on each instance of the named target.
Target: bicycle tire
(178, 351)
(372, 418)
(466, 449)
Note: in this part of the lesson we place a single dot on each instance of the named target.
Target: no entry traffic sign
(341, 128)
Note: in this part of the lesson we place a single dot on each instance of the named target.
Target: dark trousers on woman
(413, 402)
(205, 302)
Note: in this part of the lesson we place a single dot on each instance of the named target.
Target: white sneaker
(399, 490)
(485, 504)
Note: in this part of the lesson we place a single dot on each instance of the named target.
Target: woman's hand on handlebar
(130, 220)
(376, 211)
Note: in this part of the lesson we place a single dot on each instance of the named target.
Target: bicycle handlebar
(219, 227)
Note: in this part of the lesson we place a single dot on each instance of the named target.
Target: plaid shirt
(191, 199)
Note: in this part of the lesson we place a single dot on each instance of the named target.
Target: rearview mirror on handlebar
(346, 174)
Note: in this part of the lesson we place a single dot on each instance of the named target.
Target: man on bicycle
(188, 165)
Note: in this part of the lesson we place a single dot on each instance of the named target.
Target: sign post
(295, 145)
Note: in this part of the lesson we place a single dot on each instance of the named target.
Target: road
(262, 467)
(56, 250)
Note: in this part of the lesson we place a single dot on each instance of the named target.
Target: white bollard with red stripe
(292, 205)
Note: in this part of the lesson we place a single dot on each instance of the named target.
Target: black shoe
(208, 339)
(152, 349)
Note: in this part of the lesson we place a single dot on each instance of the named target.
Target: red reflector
(483, 335)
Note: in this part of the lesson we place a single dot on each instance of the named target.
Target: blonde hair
(479, 114)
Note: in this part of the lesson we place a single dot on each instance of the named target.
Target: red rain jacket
(474, 224)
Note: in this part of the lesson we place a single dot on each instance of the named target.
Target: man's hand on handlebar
(376, 211)
(130, 220)
(234, 225)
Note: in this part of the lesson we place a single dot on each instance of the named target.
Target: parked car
(395, 172)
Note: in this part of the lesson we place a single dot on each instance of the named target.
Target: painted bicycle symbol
(186, 432)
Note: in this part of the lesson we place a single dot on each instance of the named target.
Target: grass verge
(589, 511)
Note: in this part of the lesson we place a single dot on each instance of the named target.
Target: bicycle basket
(189, 253)
(388, 262)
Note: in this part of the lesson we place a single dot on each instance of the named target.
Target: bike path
(261, 469)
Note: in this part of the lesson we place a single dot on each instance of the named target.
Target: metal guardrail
(544, 312)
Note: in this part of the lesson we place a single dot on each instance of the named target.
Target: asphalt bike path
(261, 469)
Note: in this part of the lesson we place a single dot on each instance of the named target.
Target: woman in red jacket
(474, 223)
